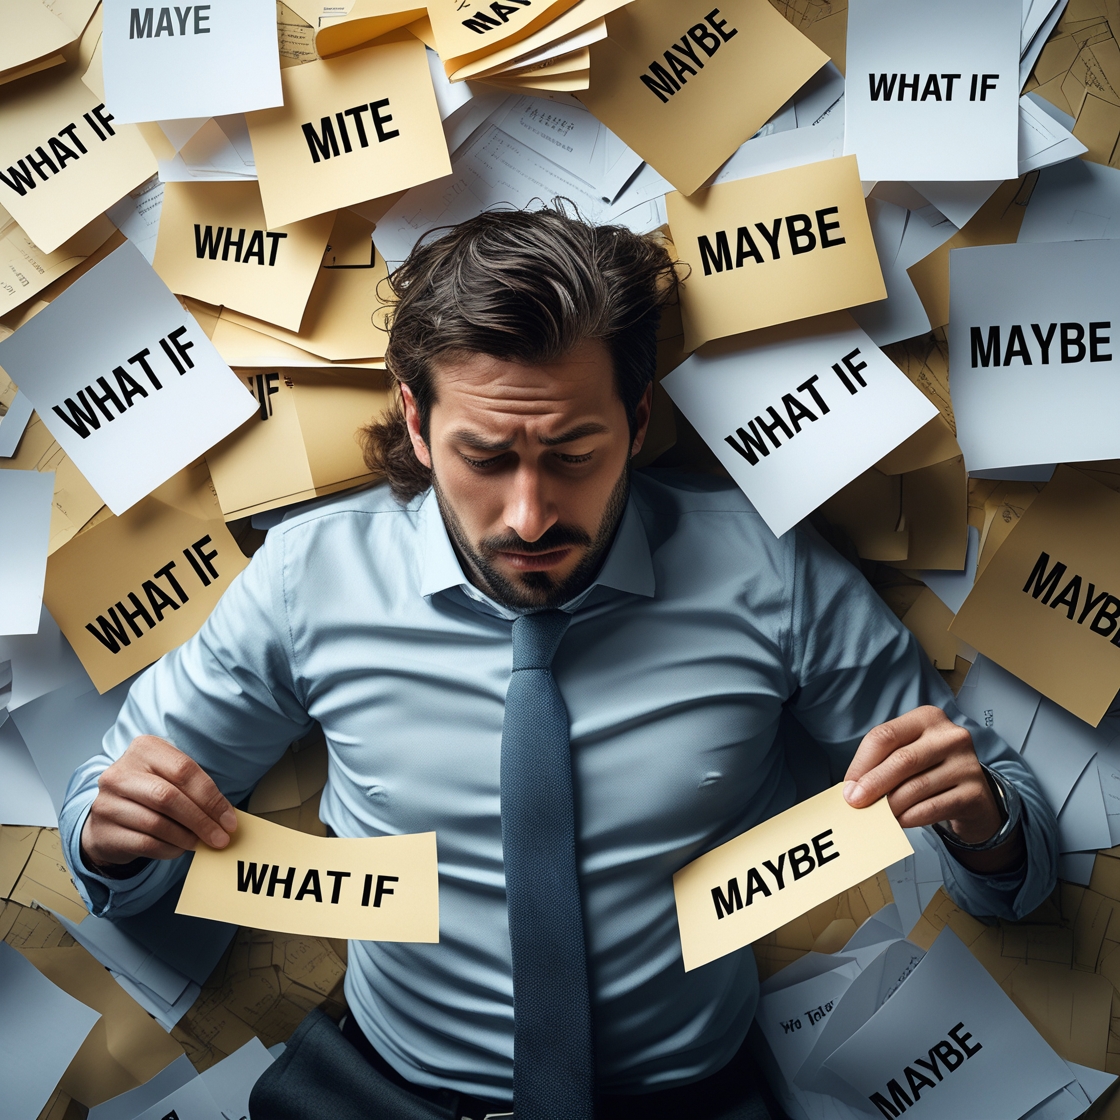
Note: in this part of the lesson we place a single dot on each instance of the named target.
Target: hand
(926, 767)
(154, 802)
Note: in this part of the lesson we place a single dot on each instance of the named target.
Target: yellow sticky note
(781, 869)
(63, 158)
(685, 82)
(1047, 605)
(136, 586)
(380, 888)
(774, 248)
(351, 128)
(466, 31)
(214, 245)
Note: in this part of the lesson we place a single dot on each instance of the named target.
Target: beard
(536, 590)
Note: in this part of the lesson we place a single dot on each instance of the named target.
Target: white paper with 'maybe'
(794, 418)
(979, 1056)
(1034, 356)
(933, 89)
(124, 379)
(206, 60)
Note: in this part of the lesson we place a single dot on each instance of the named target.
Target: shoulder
(703, 528)
(372, 509)
(676, 502)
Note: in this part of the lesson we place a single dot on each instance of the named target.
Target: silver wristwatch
(1010, 807)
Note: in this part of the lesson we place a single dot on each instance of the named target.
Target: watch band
(1010, 807)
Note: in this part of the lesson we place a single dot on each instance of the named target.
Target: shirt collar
(627, 568)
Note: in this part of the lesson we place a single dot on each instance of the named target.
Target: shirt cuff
(97, 890)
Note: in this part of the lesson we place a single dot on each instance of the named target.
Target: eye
(575, 458)
(482, 464)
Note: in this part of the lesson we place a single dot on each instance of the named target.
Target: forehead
(483, 386)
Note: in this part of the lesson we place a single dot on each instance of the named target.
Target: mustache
(556, 536)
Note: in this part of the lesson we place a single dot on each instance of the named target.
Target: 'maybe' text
(798, 410)
(144, 24)
(1077, 599)
(795, 232)
(497, 13)
(802, 861)
(883, 86)
(84, 414)
(323, 142)
(944, 1057)
(1068, 343)
(685, 56)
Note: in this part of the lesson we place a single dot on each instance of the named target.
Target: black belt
(738, 1089)
(460, 1105)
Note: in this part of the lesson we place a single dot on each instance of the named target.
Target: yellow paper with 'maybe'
(781, 869)
(378, 888)
(774, 248)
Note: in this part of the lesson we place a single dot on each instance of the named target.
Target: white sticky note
(124, 379)
(954, 1017)
(795, 416)
(933, 89)
(1033, 353)
(205, 60)
(25, 504)
(41, 1029)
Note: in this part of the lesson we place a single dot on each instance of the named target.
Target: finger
(186, 775)
(942, 772)
(888, 737)
(117, 844)
(943, 806)
(155, 793)
(127, 813)
(946, 777)
(903, 763)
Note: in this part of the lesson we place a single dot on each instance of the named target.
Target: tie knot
(536, 637)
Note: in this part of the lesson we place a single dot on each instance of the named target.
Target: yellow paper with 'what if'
(781, 869)
(379, 888)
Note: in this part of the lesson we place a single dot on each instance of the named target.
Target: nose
(529, 512)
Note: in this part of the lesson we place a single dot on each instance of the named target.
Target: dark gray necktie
(553, 1073)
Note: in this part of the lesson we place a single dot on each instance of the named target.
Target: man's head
(524, 344)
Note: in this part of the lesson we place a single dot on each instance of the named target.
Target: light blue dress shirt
(699, 629)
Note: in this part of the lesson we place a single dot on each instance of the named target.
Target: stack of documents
(892, 220)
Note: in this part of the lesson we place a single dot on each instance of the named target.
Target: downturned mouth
(535, 561)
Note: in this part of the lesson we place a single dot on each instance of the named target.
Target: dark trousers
(328, 1074)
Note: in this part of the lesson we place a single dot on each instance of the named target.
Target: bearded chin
(535, 590)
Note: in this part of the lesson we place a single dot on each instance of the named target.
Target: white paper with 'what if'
(125, 379)
(933, 89)
(796, 418)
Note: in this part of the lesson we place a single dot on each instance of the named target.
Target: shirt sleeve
(226, 697)
(855, 666)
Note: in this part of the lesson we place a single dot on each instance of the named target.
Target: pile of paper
(893, 219)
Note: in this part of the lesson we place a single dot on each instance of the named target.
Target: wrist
(110, 870)
(1010, 808)
(1004, 850)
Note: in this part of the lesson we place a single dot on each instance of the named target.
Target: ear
(412, 419)
(641, 417)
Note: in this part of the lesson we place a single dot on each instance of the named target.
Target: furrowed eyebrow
(480, 443)
(581, 431)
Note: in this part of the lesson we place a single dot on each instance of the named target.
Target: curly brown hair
(524, 286)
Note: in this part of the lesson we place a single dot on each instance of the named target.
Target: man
(573, 674)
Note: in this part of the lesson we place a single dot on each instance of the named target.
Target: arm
(197, 731)
(866, 692)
